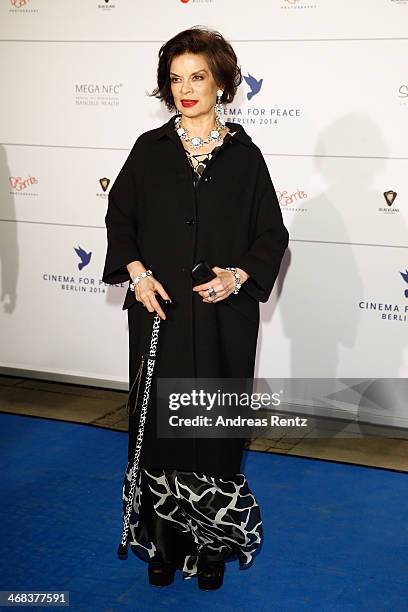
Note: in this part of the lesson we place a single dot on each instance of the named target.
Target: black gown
(178, 516)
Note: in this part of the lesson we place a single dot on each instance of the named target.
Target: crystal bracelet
(237, 279)
(136, 280)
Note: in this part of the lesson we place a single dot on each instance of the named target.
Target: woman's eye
(198, 76)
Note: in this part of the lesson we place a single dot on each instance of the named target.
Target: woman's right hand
(145, 292)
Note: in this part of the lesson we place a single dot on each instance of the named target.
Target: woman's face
(191, 79)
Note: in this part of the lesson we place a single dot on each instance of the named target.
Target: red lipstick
(188, 103)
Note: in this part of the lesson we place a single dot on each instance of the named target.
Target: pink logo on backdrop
(19, 3)
(19, 184)
(285, 198)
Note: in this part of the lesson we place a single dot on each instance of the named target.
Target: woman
(196, 188)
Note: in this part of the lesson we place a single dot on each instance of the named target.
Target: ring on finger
(211, 292)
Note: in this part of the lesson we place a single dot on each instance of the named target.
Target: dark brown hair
(219, 54)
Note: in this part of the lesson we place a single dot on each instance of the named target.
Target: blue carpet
(336, 536)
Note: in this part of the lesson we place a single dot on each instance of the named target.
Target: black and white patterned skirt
(178, 516)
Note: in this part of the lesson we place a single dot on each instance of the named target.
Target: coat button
(190, 221)
(207, 178)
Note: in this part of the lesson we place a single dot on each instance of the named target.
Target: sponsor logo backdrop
(325, 96)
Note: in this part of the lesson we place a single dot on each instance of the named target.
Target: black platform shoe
(210, 574)
(161, 574)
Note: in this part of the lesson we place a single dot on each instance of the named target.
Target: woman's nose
(185, 88)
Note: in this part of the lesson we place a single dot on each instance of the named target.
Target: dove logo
(254, 113)
(84, 257)
(253, 84)
(405, 277)
(390, 312)
(18, 3)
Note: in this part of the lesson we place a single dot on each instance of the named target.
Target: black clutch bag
(202, 273)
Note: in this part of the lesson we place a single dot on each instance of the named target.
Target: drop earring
(218, 108)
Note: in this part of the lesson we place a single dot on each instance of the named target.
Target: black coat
(230, 218)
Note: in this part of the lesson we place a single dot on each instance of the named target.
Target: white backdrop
(330, 118)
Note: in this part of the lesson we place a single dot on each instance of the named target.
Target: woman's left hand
(223, 285)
